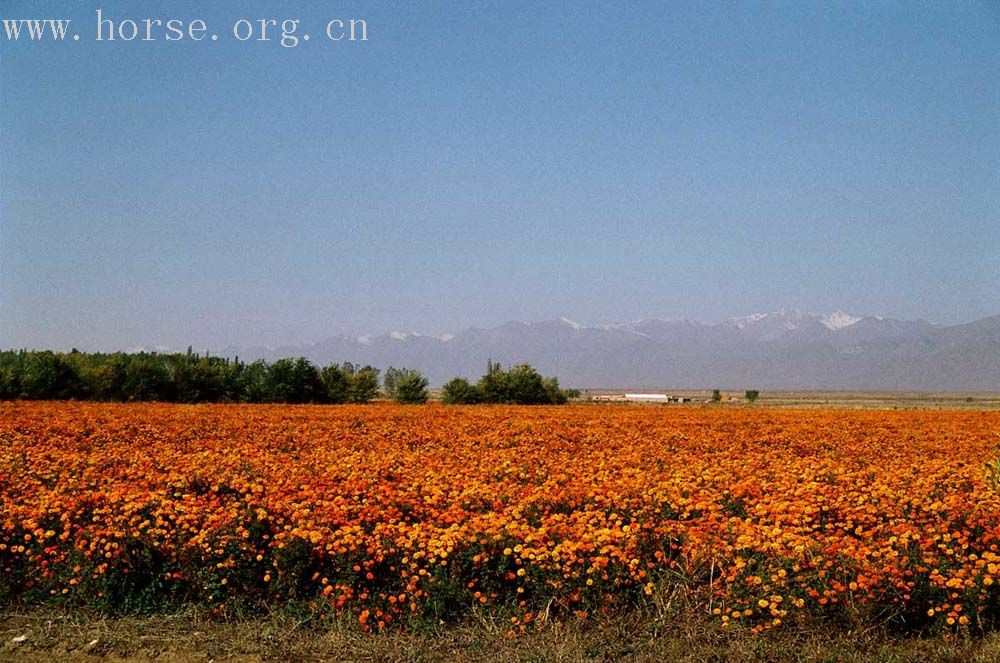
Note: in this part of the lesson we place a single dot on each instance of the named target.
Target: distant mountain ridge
(784, 349)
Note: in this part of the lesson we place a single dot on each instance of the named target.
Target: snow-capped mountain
(839, 320)
(783, 349)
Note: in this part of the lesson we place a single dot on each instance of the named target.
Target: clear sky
(477, 162)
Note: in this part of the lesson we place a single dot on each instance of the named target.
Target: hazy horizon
(446, 334)
(478, 163)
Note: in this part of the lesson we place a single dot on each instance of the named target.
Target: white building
(648, 398)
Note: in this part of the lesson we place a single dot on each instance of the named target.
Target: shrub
(409, 386)
(362, 383)
(751, 395)
(553, 393)
(295, 381)
(335, 383)
(389, 380)
(458, 391)
(527, 386)
(521, 385)
(494, 386)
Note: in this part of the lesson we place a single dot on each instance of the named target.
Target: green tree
(10, 382)
(716, 396)
(553, 393)
(104, 376)
(49, 375)
(751, 395)
(410, 387)
(335, 383)
(494, 386)
(458, 391)
(308, 384)
(281, 381)
(147, 379)
(197, 379)
(362, 384)
(527, 386)
(522, 385)
(389, 380)
(294, 381)
(190, 377)
(231, 373)
(252, 382)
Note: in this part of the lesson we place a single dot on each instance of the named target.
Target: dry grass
(193, 636)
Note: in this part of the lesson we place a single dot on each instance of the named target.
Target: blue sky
(477, 162)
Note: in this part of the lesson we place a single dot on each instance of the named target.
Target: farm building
(648, 398)
(640, 398)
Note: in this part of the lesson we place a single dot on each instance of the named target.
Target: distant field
(762, 522)
(833, 399)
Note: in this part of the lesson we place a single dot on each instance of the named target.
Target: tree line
(201, 378)
(521, 384)
(180, 377)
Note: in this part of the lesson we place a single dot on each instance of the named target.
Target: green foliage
(494, 386)
(751, 395)
(294, 381)
(553, 394)
(48, 373)
(146, 379)
(716, 396)
(458, 391)
(408, 386)
(335, 383)
(526, 386)
(389, 380)
(185, 378)
(201, 378)
(252, 381)
(362, 383)
(195, 380)
(521, 384)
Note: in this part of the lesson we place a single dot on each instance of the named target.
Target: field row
(392, 514)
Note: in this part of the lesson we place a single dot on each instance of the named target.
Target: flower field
(390, 514)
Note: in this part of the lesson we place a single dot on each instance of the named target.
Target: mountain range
(779, 350)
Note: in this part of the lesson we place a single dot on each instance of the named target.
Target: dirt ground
(36, 637)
